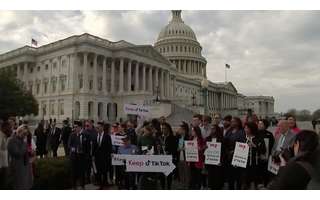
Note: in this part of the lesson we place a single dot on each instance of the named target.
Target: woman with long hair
(235, 135)
(296, 173)
(215, 172)
(196, 167)
(256, 149)
(183, 169)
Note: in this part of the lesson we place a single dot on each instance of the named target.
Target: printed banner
(117, 140)
(191, 151)
(273, 167)
(213, 153)
(150, 163)
(139, 110)
(118, 159)
(240, 156)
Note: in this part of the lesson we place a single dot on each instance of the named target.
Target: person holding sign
(127, 179)
(196, 167)
(269, 142)
(235, 134)
(256, 149)
(215, 172)
(183, 168)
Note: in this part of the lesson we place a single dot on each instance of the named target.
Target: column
(95, 73)
(25, 71)
(161, 84)
(185, 66)
(112, 75)
(129, 75)
(85, 71)
(18, 71)
(121, 75)
(144, 77)
(204, 70)
(71, 74)
(136, 85)
(168, 84)
(157, 77)
(150, 79)
(104, 75)
(189, 67)
(174, 87)
(179, 64)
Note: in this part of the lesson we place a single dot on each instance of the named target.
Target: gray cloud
(270, 52)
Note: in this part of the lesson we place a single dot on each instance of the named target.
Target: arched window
(176, 48)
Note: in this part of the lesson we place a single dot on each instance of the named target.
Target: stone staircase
(179, 114)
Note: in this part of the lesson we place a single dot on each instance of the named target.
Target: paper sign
(139, 110)
(150, 163)
(240, 156)
(118, 159)
(117, 140)
(213, 153)
(191, 151)
(273, 167)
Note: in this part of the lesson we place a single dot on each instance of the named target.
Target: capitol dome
(178, 43)
(176, 28)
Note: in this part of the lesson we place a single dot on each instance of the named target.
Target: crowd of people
(89, 146)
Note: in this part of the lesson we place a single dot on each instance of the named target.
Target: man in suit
(101, 154)
(91, 132)
(55, 138)
(286, 139)
(79, 146)
(66, 132)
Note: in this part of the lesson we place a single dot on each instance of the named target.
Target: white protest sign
(117, 140)
(213, 153)
(118, 159)
(273, 167)
(150, 163)
(139, 110)
(191, 150)
(240, 156)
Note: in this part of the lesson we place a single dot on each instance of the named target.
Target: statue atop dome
(176, 16)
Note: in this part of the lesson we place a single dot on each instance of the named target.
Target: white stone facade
(85, 76)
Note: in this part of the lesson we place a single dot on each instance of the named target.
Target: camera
(286, 153)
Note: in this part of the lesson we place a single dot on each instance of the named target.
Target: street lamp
(204, 86)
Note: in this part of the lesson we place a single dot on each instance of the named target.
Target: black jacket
(79, 145)
(171, 146)
(264, 134)
(55, 136)
(66, 132)
(103, 151)
(291, 177)
(256, 152)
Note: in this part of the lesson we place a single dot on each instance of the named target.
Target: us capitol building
(84, 76)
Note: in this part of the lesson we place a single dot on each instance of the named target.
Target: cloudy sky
(270, 52)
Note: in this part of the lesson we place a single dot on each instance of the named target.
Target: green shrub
(53, 174)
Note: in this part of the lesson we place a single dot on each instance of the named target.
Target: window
(80, 81)
(38, 88)
(180, 48)
(45, 87)
(100, 84)
(38, 69)
(172, 48)
(61, 107)
(91, 84)
(31, 70)
(44, 110)
(54, 82)
(47, 67)
(64, 62)
(176, 48)
(52, 108)
(54, 65)
(63, 83)
(185, 49)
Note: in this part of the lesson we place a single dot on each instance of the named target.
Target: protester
(102, 154)
(170, 148)
(41, 141)
(217, 120)
(66, 132)
(196, 120)
(183, 168)
(5, 133)
(91, 132)
(235, 134)
(215, 172)
(31, 151)
(256, 149)
(314, 124)
(296, 173)
(127, 178)
(293, 124)
(79, 145)
(20, 167)
(196, 167)
(55, 138)
(286, 138)
(226, 124)
(131, 133)
(269, 142)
